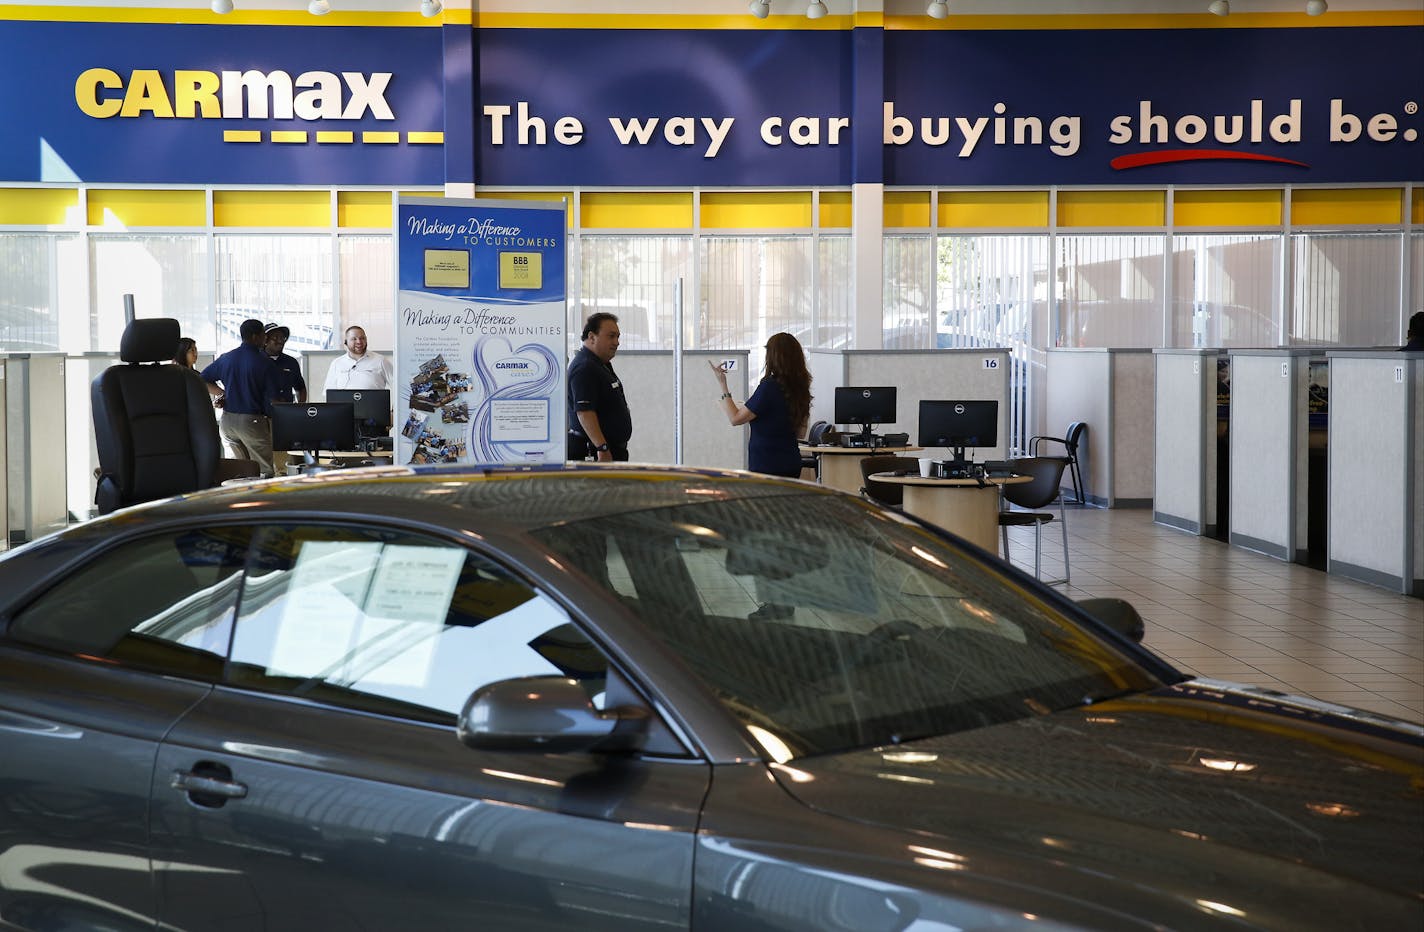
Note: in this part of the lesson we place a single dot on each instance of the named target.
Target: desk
(840, 466)
(960, 506)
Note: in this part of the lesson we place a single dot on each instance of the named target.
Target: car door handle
(202, 786)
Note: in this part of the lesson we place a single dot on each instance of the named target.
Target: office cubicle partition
(1376, 469)
(707, 439)
(1185, 431)
(1111, 390)
(1270, 446)
(918, 375)
(36, 500)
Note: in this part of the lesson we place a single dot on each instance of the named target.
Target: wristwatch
(602, 448)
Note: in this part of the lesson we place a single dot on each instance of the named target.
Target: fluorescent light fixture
(429, 8)
(319, 7)
(816, 10)
(938, 9)
(1316, 7)
(221, 7)
(1219, 8)
(760, 8)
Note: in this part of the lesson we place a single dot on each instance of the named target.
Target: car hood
(1202, 792)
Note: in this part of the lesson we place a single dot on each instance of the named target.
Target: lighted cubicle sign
(163, 103)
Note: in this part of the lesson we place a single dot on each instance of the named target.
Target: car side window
(395, 623)
(162, 603)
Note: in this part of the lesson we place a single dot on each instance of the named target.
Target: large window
(1346, 289)
(1226, 290)
(635, 278)
(1110, 290)
(908, 292)
(283, 278)
(41, 299)
(368, 290)
(752, 287)
(167, 274)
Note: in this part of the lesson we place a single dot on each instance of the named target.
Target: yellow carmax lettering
(146, 92)
(194, 91)
(86, 92)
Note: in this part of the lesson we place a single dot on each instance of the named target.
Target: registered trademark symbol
(1411, 107)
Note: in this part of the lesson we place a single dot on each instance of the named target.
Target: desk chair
(1070, 441)
(813, 437)
(1047, 472)
(885, 493)
(153, 423)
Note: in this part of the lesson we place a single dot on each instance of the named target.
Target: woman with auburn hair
(777, 410)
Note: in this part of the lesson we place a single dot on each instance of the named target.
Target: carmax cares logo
(255, 95)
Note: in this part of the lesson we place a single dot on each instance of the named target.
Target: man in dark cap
(289, 371)
(244, 381)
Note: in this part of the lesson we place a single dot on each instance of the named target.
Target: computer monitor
(314, 426)
(372, 406)
(867, 405)
(959, 424)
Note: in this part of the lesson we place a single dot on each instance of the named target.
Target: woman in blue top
(777, 410)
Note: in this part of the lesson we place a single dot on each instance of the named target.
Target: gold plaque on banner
(447, 268)
(521, 270)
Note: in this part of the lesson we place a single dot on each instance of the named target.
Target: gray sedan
(636, 698)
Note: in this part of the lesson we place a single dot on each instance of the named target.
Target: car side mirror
(1117, 615)
(547, 714)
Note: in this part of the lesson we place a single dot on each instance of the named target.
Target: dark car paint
(1055, 821)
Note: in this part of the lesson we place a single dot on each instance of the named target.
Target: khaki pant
(250, 438)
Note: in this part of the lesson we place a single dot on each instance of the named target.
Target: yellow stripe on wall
(289, 135)
(39, 206)
(1336, 206)
(993, 209)
(836, 212)
(163, 208)
(748, 210)
(363, 208)
(636, 210)
(1112, 208)
(907, 209)
(242, 135)
(335, 136)
(424, 138)
(1416, 212)
(1202, 208)
(381, 137)
(271, 208)
(548, 197)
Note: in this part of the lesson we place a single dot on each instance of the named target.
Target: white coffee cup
(927, 467)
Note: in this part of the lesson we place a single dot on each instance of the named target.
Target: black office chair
(154, 425)
(885, 493)
(813, 437)
(1070, 441)
(1047, 473)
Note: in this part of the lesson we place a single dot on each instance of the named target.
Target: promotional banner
(480, 341)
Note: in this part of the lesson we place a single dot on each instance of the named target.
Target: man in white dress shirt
(359, 369)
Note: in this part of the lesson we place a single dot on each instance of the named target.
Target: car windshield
(824, 625)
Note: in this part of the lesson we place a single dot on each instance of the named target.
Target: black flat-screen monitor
(314, 426)
(866, 405)
(372, 406)
(959, 424)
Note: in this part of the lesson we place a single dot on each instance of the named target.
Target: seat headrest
(153, 339)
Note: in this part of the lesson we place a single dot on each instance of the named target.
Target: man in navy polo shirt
(245, 381)
(599, 422)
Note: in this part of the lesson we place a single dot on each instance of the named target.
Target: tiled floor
(1228, 613)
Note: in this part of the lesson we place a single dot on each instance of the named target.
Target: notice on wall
(480, 340)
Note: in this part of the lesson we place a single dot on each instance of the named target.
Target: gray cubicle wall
(1184, 453)
(707, 439)
(918, 375)
(1110, 390)
(1376, 469)
(1270, 450)
(35, 491)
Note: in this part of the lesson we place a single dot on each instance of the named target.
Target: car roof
(519, 498)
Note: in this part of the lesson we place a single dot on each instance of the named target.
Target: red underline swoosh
(1162, 157)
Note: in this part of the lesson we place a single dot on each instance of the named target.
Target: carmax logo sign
(314, 96)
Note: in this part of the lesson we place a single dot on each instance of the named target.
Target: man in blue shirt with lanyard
(249, 382)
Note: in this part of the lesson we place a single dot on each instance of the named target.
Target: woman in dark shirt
(777, 410)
